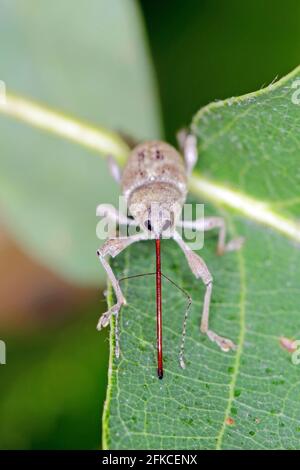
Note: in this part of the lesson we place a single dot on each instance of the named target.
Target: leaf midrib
(241, 339)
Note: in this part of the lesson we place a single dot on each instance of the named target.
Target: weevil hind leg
(181, 136)
(200, 270)
(114, 168)
(188, 145)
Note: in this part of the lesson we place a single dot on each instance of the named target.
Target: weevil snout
(159, 220)
(156, 209)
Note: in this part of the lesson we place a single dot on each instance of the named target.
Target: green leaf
(90, 61)
(249, 398)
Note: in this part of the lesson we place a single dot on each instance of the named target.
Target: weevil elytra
(154, 183)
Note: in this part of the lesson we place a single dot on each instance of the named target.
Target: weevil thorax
(154, 183)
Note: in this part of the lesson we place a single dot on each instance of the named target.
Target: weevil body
(155, 175)
(154, 182)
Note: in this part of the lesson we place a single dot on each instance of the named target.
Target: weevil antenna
(189, 302)
(186, 313)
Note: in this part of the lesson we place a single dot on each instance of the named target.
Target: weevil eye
(148, 225)
(166, 225)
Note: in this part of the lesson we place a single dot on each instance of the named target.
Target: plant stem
(98, 139)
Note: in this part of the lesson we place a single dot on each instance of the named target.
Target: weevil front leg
(112, 247)
(200, 270)
(209, 223)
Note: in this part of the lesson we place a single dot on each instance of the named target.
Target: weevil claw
(235, 244)
(182, 363)
(223, 343)
(105, 318)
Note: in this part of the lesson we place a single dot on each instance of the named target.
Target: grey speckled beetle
(154, 182)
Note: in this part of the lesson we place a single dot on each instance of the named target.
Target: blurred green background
(115, 63)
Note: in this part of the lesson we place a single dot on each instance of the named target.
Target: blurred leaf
(89, 60)
(53, 385)
(244, 399)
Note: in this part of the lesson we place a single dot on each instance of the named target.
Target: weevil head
(156, 208)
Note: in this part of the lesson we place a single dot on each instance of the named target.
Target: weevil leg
(209, 223)
(112, 247)
(109, 211)
(188, 145)
(181, 136)
(114, 168)
(200, 270)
